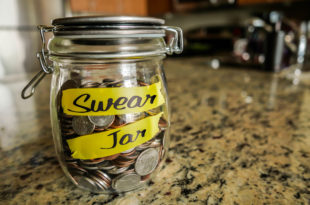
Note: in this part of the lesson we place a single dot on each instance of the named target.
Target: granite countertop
(237, 137)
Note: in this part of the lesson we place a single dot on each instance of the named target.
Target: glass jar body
(110, 169)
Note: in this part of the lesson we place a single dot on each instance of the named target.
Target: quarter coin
(126, 182)
(147, 162)
(82, 126)
(102, 121)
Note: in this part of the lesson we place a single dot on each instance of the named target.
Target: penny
(102, 121)
(145, 178)
(111, 157)
(103, 176)
(143, 83)
(117, 123)
(147, 162)
(82, 126)
(163, 124)
(127, 182)
(123, 162)
(93, 161)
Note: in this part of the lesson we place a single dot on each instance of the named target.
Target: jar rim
(107, 20)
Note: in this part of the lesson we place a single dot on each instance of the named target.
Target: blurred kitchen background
(257, 34)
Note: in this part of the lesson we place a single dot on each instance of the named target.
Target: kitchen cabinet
(122, 7)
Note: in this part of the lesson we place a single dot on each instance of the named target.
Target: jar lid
(108, 26)
(107, 20)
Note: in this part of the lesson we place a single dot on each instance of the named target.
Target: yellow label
(111, 101)
(114, 141)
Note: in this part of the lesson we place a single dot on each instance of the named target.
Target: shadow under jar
(109, 105)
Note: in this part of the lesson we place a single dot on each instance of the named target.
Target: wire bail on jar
(46, 69)
(174, 44)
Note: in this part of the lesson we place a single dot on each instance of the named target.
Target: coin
(69, 84)
(145, 178)
(126, 182)
(147, 162)
(90, 85)
(103, 176)
(131, 117)
(101, 184)
(76, 169)
(117, 170)
(128, 151)
(111, 157)
(163, 124)
(102, 121)
(145, 145)
(85, 182)
(82, 126)
(154, 111)
(107, 165)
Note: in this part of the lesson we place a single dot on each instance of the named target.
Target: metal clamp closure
(175, 41)
(46, 69)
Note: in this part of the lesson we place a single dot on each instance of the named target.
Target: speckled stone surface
(238, 137)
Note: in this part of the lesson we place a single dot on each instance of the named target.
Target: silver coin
(117, 170)
(131, 117)
(95, 165)
(102, 121)
(127, 151)
(102, 185)
(155, 143)
(107, 167)
(145, 145)
(126, 182)
(102, 175)
(147, 162)
(90, 85)
(82, 126)
(86, 182)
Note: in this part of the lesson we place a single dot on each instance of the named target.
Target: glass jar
(108, 103)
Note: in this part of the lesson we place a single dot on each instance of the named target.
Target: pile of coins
(120, 172)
